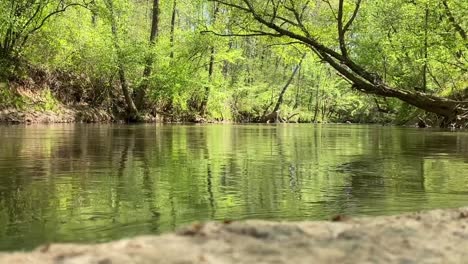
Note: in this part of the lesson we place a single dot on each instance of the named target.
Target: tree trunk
(298, 89)
(132, 111)
(173, 20)
(317, 102)
(362, 79)
(454, 23)
(93, 13)
(142, 90)
(285, 88)
(275, 112)
(206, 96)
(425, 65)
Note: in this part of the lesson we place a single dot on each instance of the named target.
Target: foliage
(412, 45)
(10, 99)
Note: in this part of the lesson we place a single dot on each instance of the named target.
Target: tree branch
(361, 79)
(259, 34)
(298, 17)
(341, 32)
(452, 20)
(331, 8)
(353, 16)
(57, 11)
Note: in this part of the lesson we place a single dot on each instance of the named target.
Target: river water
(94, 183)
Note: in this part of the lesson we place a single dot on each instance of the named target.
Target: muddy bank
(439, 236)
(63, 115)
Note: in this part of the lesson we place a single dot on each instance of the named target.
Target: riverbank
(81, 114)
(28, 102)
(64, 114)
(439, 236)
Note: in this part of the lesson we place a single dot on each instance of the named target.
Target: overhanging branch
(259, 34)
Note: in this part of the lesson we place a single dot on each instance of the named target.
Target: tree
(132, 111)
(21, 19)
(173, 21)
(141, 92)
(274, 116)
(294, 19)
(211, 65)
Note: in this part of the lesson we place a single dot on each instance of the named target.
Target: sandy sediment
(439, 236)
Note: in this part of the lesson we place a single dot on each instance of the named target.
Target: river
(95, 183)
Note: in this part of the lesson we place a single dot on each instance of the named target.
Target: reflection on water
(88, 183)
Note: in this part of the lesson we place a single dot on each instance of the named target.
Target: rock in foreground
(439, 236)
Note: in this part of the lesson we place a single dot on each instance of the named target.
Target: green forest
(381, 61)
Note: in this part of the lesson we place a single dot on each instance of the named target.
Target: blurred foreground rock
(439, 236)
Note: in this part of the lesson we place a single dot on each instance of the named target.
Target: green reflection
(90, 183)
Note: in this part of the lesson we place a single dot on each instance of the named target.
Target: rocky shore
(439, 236)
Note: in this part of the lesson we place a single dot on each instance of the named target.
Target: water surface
(93, 183)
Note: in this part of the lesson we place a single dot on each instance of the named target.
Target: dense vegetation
(241, 60)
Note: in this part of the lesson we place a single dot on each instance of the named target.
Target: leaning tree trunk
(274, 116)
(132, 111)
(455, 113)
